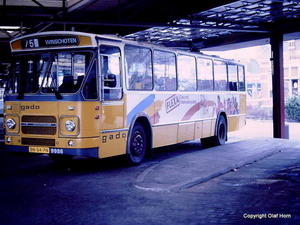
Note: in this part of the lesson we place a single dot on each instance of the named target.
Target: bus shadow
(84, 164)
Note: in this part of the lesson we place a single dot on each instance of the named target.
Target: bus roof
(73, 39)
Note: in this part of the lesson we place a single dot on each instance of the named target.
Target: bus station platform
(182, 172)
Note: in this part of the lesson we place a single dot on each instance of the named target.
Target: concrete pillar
(278, 85)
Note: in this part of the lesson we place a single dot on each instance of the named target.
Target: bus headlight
(70, 125)
(10, 123)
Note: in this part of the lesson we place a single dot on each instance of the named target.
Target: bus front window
(49, 72)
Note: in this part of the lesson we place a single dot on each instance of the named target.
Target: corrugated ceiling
(185, 24)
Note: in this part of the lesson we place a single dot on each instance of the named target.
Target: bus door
(113, 134)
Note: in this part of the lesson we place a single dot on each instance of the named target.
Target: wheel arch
(145, 121)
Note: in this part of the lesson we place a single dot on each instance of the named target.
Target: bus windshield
(49, 72)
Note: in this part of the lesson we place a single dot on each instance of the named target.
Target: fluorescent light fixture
(10, 27)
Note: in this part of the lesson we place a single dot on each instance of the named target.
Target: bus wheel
(137, 146)
(61, 159)
(221, 136)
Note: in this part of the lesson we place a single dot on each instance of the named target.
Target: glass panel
(233, 77)
(205, 75)
(49, 72)
(164, 71)
(186, 73)
(90, 88)
(138, 68)
(70, 69)
(110, 71)
(241, 75)
(220, 73)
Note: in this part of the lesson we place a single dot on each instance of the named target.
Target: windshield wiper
(57, 94)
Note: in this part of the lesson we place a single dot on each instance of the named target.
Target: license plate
(39, 150)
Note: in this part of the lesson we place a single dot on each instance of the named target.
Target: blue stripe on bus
(140, 107)
(49, 98)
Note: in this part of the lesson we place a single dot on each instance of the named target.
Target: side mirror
(110, 80)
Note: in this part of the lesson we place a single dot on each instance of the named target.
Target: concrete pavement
(249, 180)
(185, 171)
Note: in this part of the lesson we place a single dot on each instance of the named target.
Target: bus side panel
(233, 123)
(164, 135)
(243, 105)
(206, 128)
(113, 115)
(186, 132)
(198, 129)
(112, 144)
(213, 127)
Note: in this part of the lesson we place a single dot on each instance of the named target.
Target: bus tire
(137, 146)
(221, 133)
(220, 137)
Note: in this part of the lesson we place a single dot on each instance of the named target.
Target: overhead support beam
(39, 4)
(159, 25)
(278, 85)
(7, 33)
(79, 4)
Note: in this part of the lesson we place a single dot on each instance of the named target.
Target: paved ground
(249, 181)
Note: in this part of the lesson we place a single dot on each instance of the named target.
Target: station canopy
(186, 24)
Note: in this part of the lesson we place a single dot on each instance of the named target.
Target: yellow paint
(112, 144)
(86, 113)
(84, 41)
(198, 129)
(206, 128)
(165, 135)
(112, 116)
(243, 99)
(213, 127)
(186, 132)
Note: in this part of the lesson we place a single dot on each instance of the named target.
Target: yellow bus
(79, 94)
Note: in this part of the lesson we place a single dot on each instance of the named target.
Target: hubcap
(137, 144)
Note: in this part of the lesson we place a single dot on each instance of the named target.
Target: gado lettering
(24, 107)
(111, 137)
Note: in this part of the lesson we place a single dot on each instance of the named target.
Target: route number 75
(31, 43)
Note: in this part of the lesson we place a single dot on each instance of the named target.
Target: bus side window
(220, 75)
(138, 68)
(232, 77)
(205, 75)
(186, 73)
(110, 72)
(241, 78)
(164, 66)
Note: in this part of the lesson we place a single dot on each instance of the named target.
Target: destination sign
(50, 41)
